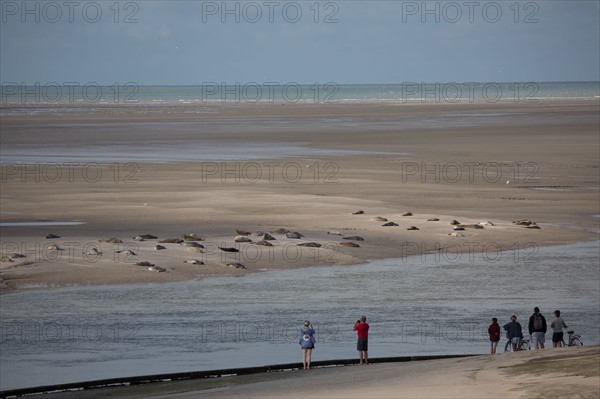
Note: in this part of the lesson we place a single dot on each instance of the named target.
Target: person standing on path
(307, 343)
(494, 332)
(362, 329)
(557, 326)
(537, 328)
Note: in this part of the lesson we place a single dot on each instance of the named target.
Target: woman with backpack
(307, 343)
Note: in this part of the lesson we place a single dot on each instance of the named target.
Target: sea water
(420, 305)
(294, 92)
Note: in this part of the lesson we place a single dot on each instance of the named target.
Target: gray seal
(379, 219)
(143, 263)
(354, 238)
(194, 261)
(236, 265)
(171, 241)
(310, 244)
(192, 244)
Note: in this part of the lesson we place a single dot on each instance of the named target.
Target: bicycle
(574, 340)
(524, 345)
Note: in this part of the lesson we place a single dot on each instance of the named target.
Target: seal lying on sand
(112, 240)
(359, 212)
(228, 249)
(471, 226)
(50, 236)
(454, 222)
(157, 269)
(195, 250)
(242, 233)
(191, 237)
(349, 244)
(267, 237)
(148, 237)
(379, 219)
(159, 247)
(54, 247)
(389, 224)
(294, 234)
(143, 263)
(236, 265)
(93, 252)
(354, 238)
(523, 222)
(171, 241)
(279, 231)
(192, 244)
(264, 243)
(413, 228)
(407, 214)
(242, 239)
(310, 244)
(194, 261)
(126, 252)
(433, 220)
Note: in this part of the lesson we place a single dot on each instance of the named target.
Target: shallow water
(415, 306)
(36, 223)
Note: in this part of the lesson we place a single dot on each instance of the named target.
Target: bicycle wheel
(575, 342)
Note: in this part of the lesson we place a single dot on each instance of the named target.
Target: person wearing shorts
(537, 329)
(307, 343)
(362, 329)
(557, 326)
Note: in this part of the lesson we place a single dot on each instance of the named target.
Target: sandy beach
(558, 373)
(537, 162)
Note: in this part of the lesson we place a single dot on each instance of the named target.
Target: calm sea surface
(415, 306)
(292, 92)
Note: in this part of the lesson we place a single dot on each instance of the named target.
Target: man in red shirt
(362, 329)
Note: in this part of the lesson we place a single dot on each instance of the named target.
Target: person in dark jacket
(494, 332)
(537, 328)
(514, 332)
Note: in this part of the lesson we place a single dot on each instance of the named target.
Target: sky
(346, 42)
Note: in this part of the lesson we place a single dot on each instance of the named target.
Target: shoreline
(550, 373)
(41, 286)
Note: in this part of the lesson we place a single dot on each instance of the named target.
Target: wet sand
(469, 162)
